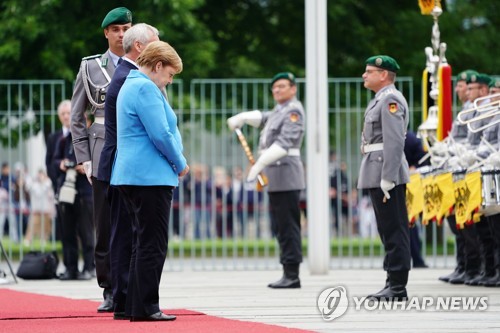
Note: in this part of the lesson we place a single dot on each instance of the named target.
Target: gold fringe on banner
(426, 6)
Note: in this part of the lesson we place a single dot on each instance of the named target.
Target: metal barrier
(217, 219)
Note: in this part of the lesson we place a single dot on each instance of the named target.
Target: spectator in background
(414, 152)
(42, 209)
(53, 171)
(6, 203)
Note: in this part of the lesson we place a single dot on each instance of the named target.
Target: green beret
(284, 75)
(495, 83)
(479, 78)
(384, 62)
(120, 15)
(465, 75)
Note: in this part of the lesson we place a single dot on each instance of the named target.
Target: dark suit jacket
(52, 143)
(109, 149)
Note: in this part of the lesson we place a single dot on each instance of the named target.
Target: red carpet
(32, 313)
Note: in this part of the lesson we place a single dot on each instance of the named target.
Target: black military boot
(397, 288)
(492, 280)
(453, 275)
(289, 280)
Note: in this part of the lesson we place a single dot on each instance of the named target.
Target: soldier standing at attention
(384, 171)
(279, 145)
(89, 95)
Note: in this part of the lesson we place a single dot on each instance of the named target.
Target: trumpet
(492, 113)
(480, 108)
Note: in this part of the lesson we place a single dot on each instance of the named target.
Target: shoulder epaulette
(92, 57)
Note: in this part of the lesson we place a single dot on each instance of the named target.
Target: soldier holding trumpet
(279, 147)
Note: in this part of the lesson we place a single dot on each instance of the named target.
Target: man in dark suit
(89, 95)
(63, 112)
(120, 246)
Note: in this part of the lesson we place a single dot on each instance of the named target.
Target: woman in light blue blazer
(147, 167)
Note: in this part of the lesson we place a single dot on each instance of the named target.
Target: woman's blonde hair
(160, 51)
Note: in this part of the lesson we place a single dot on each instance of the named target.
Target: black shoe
(285, 283)
(121, 316)
(390, 295)
(66, 276)
(452, 275)
(159, 316)
(422, 265)
(106, 305)
(473, 280)
(85, 275)
(459, 279)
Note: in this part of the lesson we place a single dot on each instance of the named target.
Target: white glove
(469, 157)
(270, 155)
(87, 166)
(252, 118)
(386, 186)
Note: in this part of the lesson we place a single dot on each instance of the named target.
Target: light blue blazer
(149, 145)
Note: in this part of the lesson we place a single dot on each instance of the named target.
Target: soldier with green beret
(384, 171)
(89, 97)
(279, 146)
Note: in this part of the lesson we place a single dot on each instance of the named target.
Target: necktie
(120, 60)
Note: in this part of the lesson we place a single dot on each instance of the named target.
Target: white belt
(365, 149)
(99, 120)
(291, 152)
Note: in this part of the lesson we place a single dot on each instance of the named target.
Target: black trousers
(285, 214)
(494, 223)
(76, 223)
(151, 207)
(487, 245)
(459, 241)
(103, 231)
(120, 246)
(392, 225)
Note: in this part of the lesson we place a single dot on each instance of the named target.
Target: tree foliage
(45, 39)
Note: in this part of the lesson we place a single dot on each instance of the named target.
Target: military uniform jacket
(89, 94)
(285, 126)
(386, 121)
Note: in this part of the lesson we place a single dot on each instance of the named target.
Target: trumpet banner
(445, 198)
(426, 6)
(414, 197)
(445, 116)
(468, 198)
(430, 208)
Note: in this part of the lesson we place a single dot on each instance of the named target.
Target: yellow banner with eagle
(445, 198)
(430, 208)
(468, 199)
(414, 197)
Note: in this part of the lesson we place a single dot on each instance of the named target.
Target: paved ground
(243, 295)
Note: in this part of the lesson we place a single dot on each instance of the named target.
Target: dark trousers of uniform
(494, 223)
(285, 214)
(76, 223)
(151, 206)
(487, 245)
(120, 246)
(416, 246)
(459, 241)
(103, 231)
(472, 249)
(392, 225)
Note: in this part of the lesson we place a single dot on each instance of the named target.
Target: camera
(69, 164)
(68, 192)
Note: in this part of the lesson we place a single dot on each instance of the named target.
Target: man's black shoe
(285, 283)
(85, 275)
(422, 265)
(390, 295)
(159, 316)
(106, 305)
(66, 276)
(452, 275)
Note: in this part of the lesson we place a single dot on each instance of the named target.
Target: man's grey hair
(140, 32)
